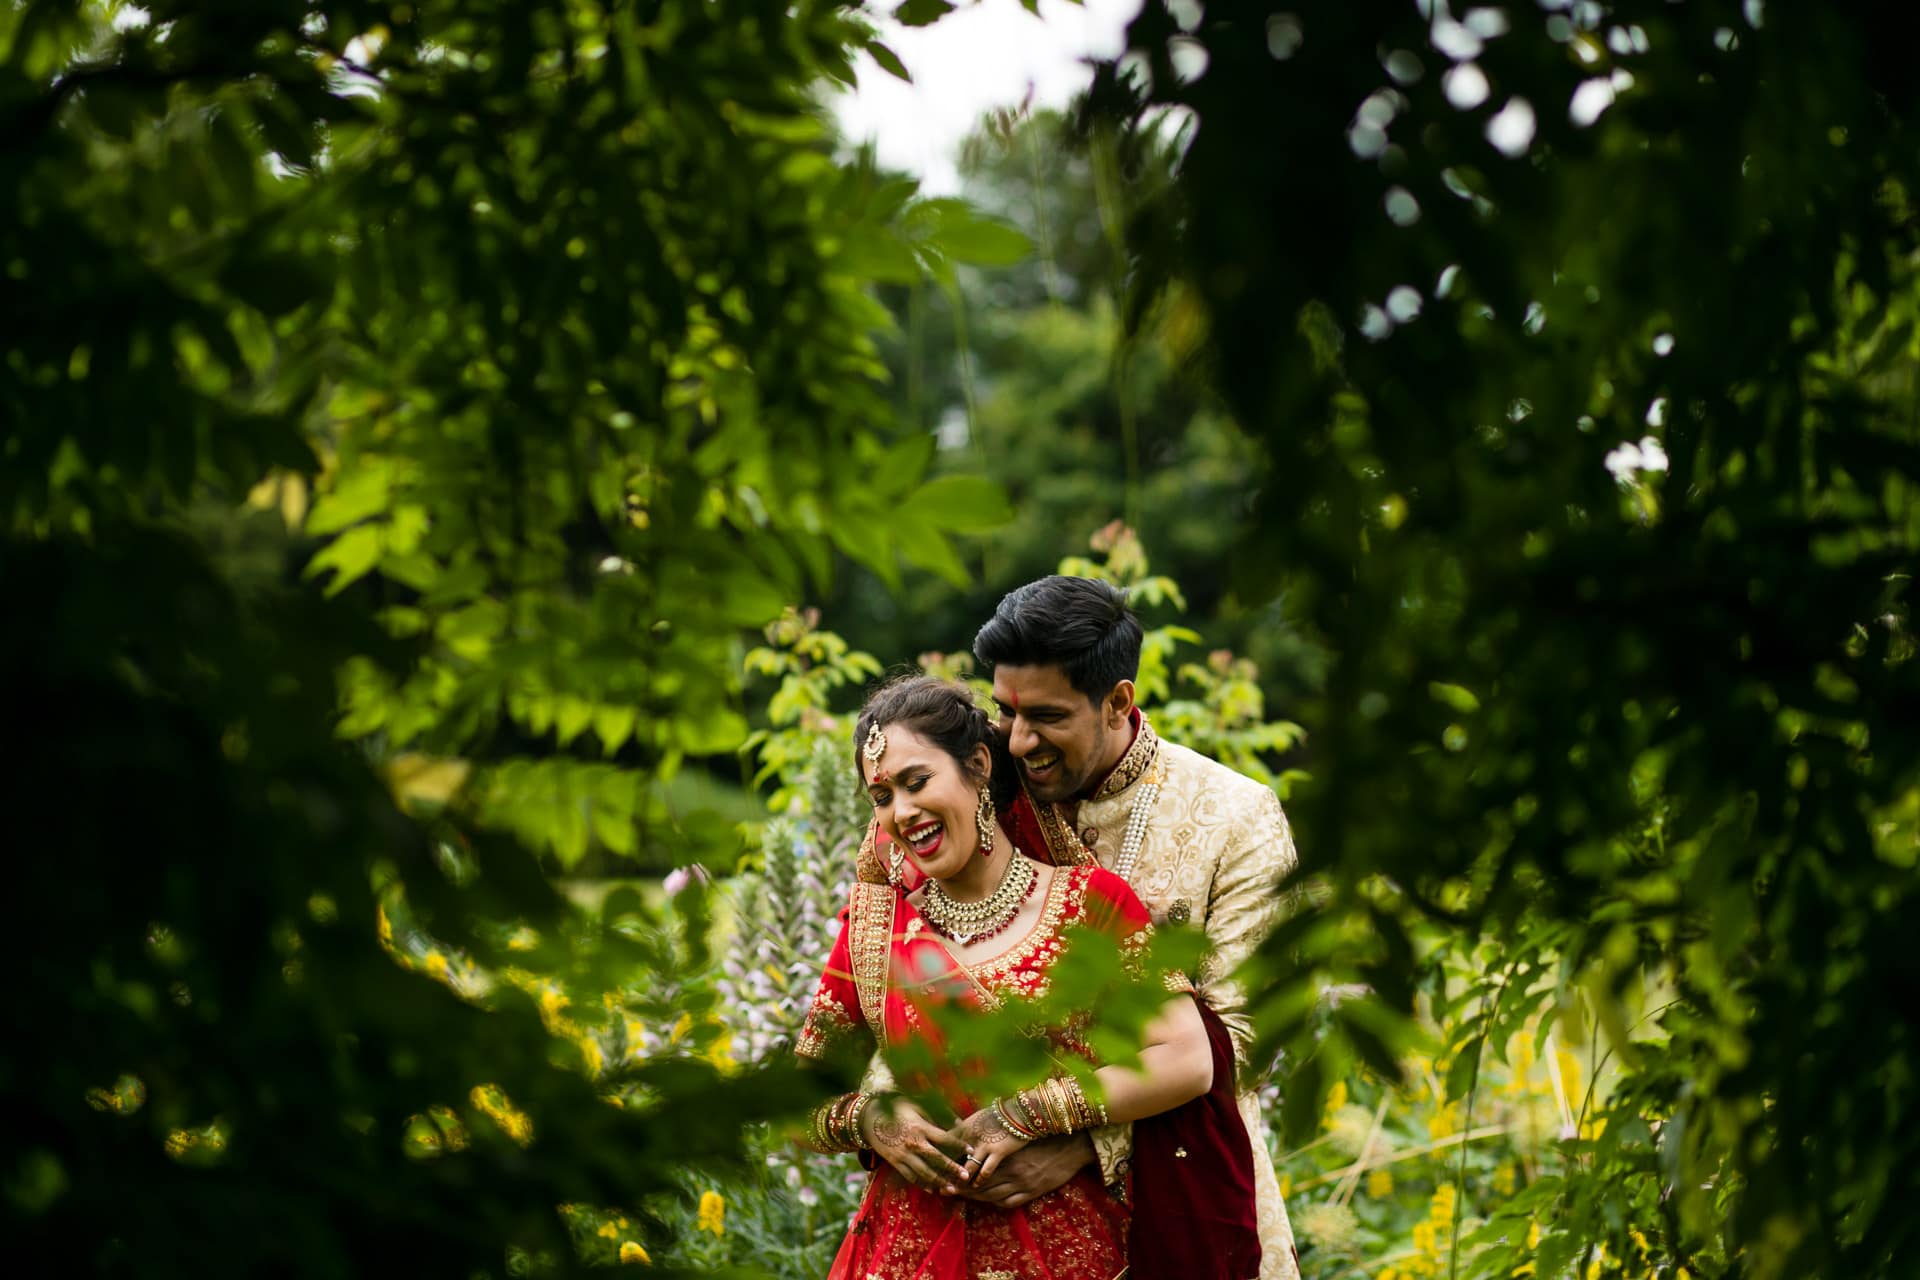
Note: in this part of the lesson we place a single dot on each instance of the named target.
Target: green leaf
(927, 548)
(613, 724)
(889, 61)
(714, 733)
(962, 504)
(903, 464)
(921, 13)
(357, 493)
(351, 556)
(1456, 696)
(955, 230)
(1465, 1064)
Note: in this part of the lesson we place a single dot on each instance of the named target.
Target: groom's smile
(1063, 739)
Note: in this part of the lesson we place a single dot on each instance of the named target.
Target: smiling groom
(1198, 842)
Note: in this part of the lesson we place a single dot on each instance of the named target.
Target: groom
(1198, 842)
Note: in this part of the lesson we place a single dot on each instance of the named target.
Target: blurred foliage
(1027, 375)
(1579, 343)
(1526, 391)
(462, 380)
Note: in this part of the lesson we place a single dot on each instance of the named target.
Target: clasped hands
(977, 1158)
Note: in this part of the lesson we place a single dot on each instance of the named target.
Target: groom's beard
(1065, 786)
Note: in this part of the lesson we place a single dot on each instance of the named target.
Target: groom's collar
(1133, 762)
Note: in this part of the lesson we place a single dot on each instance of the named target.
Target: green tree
(1579, 343)
(1030, 376)
(505, 361)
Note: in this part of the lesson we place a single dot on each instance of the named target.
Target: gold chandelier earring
(983, 819)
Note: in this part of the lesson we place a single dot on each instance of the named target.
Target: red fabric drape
(1193, 1210)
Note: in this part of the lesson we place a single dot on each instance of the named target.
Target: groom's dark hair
(1081, 625)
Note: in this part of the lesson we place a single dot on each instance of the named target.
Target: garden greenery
(409, 408)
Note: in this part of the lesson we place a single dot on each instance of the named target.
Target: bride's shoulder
(1108, 897)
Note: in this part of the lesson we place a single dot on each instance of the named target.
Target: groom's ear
(1118, 704)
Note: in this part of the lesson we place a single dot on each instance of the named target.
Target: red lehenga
(1078, 1232)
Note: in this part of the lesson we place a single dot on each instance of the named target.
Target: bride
(984, 926)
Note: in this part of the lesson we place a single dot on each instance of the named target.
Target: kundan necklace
(965, 922)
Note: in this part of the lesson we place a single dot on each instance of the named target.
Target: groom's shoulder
(1226, 788)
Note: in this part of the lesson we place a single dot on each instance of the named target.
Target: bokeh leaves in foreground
(461, 379)
(1580, 341)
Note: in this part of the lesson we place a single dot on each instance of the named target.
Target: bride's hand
(988, 1142)
(917, 1148)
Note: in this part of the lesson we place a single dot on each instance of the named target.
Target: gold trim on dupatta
(870, 943)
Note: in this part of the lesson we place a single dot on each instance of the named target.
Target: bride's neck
(981, 876)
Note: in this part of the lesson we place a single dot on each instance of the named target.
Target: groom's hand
(1041, 1166)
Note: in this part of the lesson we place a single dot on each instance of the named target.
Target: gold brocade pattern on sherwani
(1219, 843)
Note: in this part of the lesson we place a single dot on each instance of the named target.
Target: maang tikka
(876, 745)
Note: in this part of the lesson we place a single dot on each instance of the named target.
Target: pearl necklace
(1137, 827)
(964, 922)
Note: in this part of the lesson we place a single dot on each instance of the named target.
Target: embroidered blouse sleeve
(835, 1014)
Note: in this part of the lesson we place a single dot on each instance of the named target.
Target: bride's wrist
(1055, 1107)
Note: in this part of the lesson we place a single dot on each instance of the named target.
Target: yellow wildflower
(179, 1142)
(630, 1252)
(1445, 1122)
(713, 1213)
(607, 1231)
(1640, 1241)
(1286, 1185)
(1503, 1178)
(590, 1051)
(1682, 1274)
(1444, 1202)
(492, 1102)
(386, 925)
(1336, 1099)
(720, 1052)
(1569, 1075)
(1380, 1183)
(552, 1002)
(680, 1028)
(436, 965)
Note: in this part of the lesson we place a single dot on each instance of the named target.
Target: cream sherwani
(1213, 850)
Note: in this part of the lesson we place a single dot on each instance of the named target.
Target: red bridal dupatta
(887, 965)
